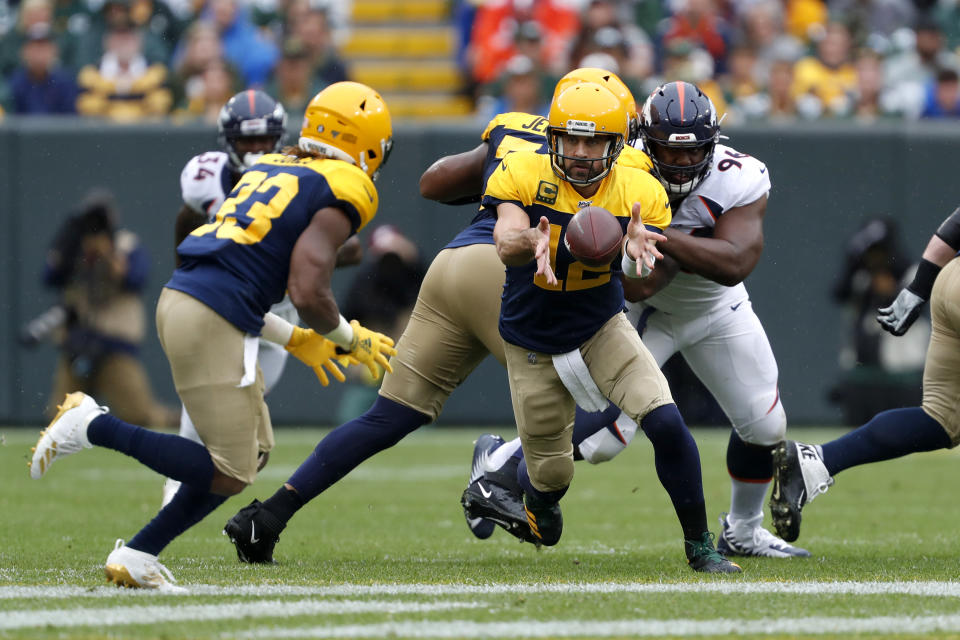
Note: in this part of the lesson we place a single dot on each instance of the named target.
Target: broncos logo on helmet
(679, 117)
(247, 117)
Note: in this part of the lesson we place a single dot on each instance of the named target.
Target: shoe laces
(704, 547)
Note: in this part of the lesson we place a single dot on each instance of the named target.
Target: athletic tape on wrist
(342, 336)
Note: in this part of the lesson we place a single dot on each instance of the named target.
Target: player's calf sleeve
(189, 506)
(748, 462)
(383, 425)
(677, 460)
(167, 454)
(888, 435)
(599, 436)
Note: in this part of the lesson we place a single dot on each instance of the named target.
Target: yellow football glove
(370, 349)
(315, 351)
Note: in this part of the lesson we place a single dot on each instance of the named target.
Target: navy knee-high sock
(890, 434)
(381, 427)
(167, 454)
(752, 463)
(588, 423)
(523, 477)
(189, 506)
(678, 466)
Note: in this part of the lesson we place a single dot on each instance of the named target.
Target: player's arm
(733, 251)
(640, 251)
(637, 289)
(456, 179)
(311, 266)
(350, 253)
(188, 219)
(312, 263)
(940, 250)
(518, 243)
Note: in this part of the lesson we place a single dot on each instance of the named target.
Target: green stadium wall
(827, 179)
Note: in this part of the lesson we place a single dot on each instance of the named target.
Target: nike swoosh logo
(486, 494)
(736, 306)
(764, 170)
(253, 534)
(479, 467)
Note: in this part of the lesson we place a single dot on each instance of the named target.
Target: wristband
(342, 335)
(629, 265)
(276, 329)
(923, 280)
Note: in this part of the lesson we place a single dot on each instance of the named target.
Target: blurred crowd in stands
(757, 59)
(133, 59)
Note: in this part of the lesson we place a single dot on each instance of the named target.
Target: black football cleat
(482, 448)
(254, 531)
(703, 557)
(491, 501)
(544, 518)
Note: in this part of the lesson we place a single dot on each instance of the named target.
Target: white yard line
(948, 589)
(617, 628)
(120, 616)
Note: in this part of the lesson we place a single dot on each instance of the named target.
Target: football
(594, 236)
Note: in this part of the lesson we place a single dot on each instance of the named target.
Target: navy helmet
(678, 115)
(250, 114)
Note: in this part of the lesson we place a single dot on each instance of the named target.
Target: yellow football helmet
(612, 82)
(349, 121)
(589, 110)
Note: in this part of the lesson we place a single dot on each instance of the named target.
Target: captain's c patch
(547, 192)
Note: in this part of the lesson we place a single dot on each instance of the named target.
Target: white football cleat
(128, 567)
(170, 488)
(66, 433)
(749, 538)
(799, 476)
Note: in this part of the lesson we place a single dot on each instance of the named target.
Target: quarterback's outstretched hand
(370, 349)
(542, 251)
(898, 317)
(318, 353)
(641, 242)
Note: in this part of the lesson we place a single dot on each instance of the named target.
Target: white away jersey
(735, 179)
(206, 181)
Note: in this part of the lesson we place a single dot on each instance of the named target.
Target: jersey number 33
(247, 215)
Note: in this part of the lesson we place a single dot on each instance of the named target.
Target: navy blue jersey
(238, 265)
(507, 132)
(559, 318)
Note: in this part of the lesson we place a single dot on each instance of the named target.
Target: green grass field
(386, 553)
